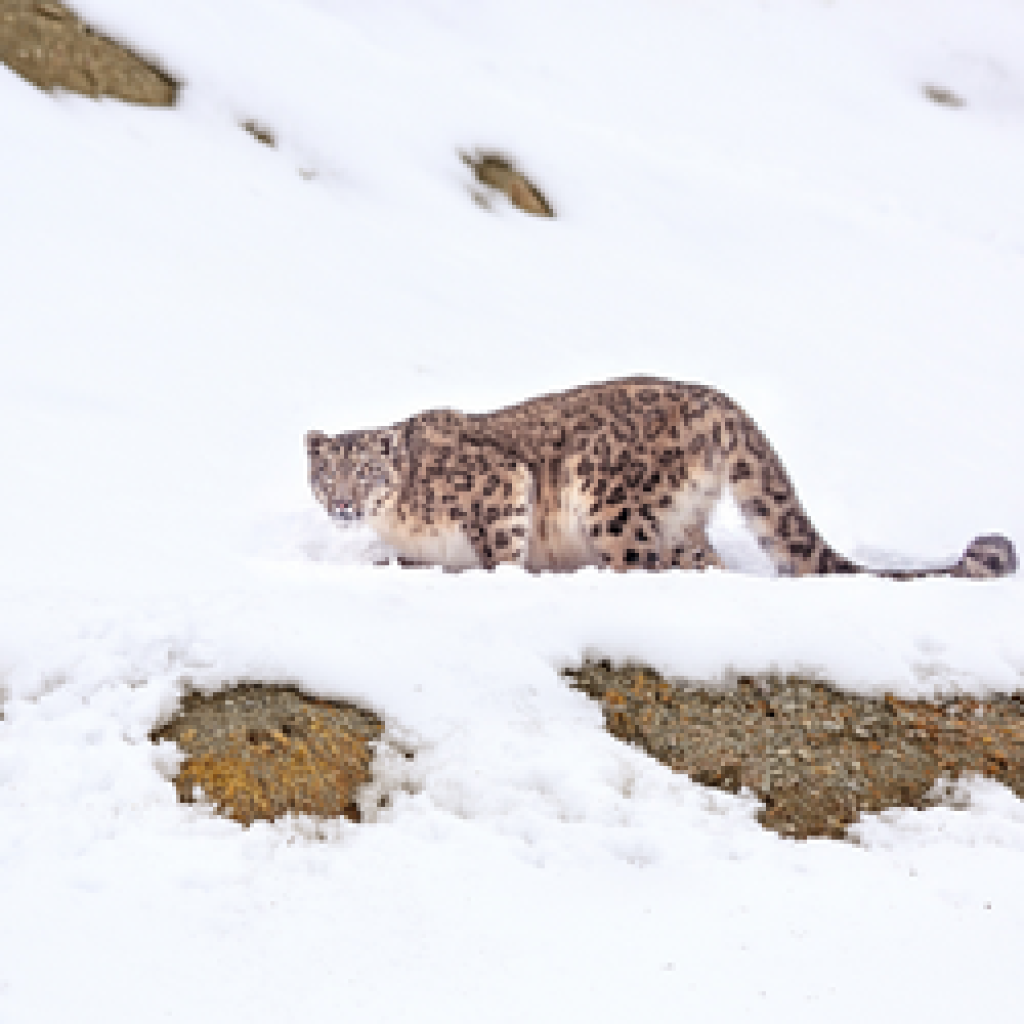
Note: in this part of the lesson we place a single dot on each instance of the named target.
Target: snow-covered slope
(754, 195)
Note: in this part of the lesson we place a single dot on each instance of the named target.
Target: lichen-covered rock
(49, 45)
(817, 757)
(258, 752)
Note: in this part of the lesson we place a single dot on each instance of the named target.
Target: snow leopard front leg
(460, 500)
(495, 512)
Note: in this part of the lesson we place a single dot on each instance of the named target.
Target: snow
(756, 196)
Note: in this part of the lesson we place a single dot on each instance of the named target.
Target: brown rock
(49, 45)
(261, 133)
(257, 752)
(817, 757)
(943, 96)
(498, 172)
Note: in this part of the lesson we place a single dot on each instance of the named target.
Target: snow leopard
(623, 474)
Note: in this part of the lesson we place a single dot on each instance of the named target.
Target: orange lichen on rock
(260, 752)
(818, 758)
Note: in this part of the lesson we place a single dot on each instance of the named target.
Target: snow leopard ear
(313, 441)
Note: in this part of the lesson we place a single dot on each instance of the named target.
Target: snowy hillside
(759, 196)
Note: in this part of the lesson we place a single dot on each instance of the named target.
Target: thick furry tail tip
(987, 558)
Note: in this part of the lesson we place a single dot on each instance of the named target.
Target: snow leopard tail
(772, 510)
(987, 557)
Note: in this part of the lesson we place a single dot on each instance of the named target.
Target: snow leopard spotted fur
(622, 474)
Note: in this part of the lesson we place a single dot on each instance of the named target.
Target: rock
(257, 752)
(49, 45)
(943, 96)
(782, 738)
(499, 173)
(261, 133)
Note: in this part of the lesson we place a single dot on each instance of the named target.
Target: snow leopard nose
(343, 510)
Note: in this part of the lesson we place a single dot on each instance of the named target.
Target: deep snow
(759, 197)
